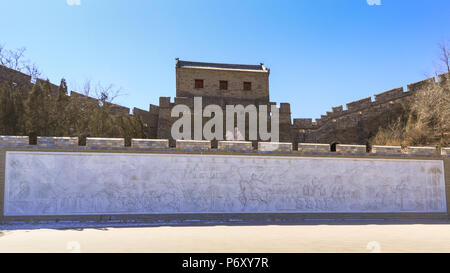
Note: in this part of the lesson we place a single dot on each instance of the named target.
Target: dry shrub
(428, 122)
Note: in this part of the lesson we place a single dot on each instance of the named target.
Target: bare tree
(429, 115)
(15, 59)
(445, 55)
(443, 60)
(431, 106)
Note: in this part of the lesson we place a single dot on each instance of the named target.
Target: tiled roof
(188, 64)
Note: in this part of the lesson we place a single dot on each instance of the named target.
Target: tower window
(247, 86)
(223, 85)
(198, 83)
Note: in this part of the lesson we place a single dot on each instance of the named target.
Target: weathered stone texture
(150, 143)
(185, 83)
(14, 141)
(105, 142)
(238, 146)
(193, 144)
(378, 149)
(356, 105)
(274, 147)
(421, 150)
(351, 149)
(57, 142)
(151, 183)
(313, 148)
(388, 95)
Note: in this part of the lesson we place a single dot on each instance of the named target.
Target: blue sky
(321, 53)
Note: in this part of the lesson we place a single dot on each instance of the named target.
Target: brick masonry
(14, 141)
(313, 148)
(238, 146)
(185, 83)
(94, 143)
(150, 143)
(274, 147)
(57, 142)
(203, 145)
(193, 145)
(377, 149)
(351, 149)
(422, 150)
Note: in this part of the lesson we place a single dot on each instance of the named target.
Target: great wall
(321, 169)
(354, 125)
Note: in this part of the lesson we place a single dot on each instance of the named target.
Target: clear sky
(321, 53)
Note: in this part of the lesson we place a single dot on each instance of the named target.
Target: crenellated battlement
(389, 95)
(359, 104)
(361, 118)
(385, 97)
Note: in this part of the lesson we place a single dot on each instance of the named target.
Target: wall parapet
(274, 147)
(359, 104)
(445, 151)
(390, 96)
(313, 148)
(351, 149)
(150, 143)
(303, 123)
(105, 143)
(14, 141)
(392, 150)
(237, 146)
(421, 150)
(57, 142)
(193, 145)
(419, 85)
(227, 146)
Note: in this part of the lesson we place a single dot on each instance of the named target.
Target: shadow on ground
(105, 225)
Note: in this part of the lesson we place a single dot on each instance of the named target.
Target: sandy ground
(245, 238)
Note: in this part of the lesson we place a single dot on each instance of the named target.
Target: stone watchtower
(223, 83)
(219, 84)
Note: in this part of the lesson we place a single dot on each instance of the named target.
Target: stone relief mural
(64, 183)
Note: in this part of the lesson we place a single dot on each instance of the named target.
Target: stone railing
(18, 142)
(235, 146)
(150, 143)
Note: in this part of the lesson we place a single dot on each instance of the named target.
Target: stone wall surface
(351, 149)
(93, 142)
(95, 183)
(238, 146)
(14, 141)
(193, 145)
(313, 148)
(421, 150)
(274, 147)
(57, 142)
(378, 149)
(150, 143)
(185, 79)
